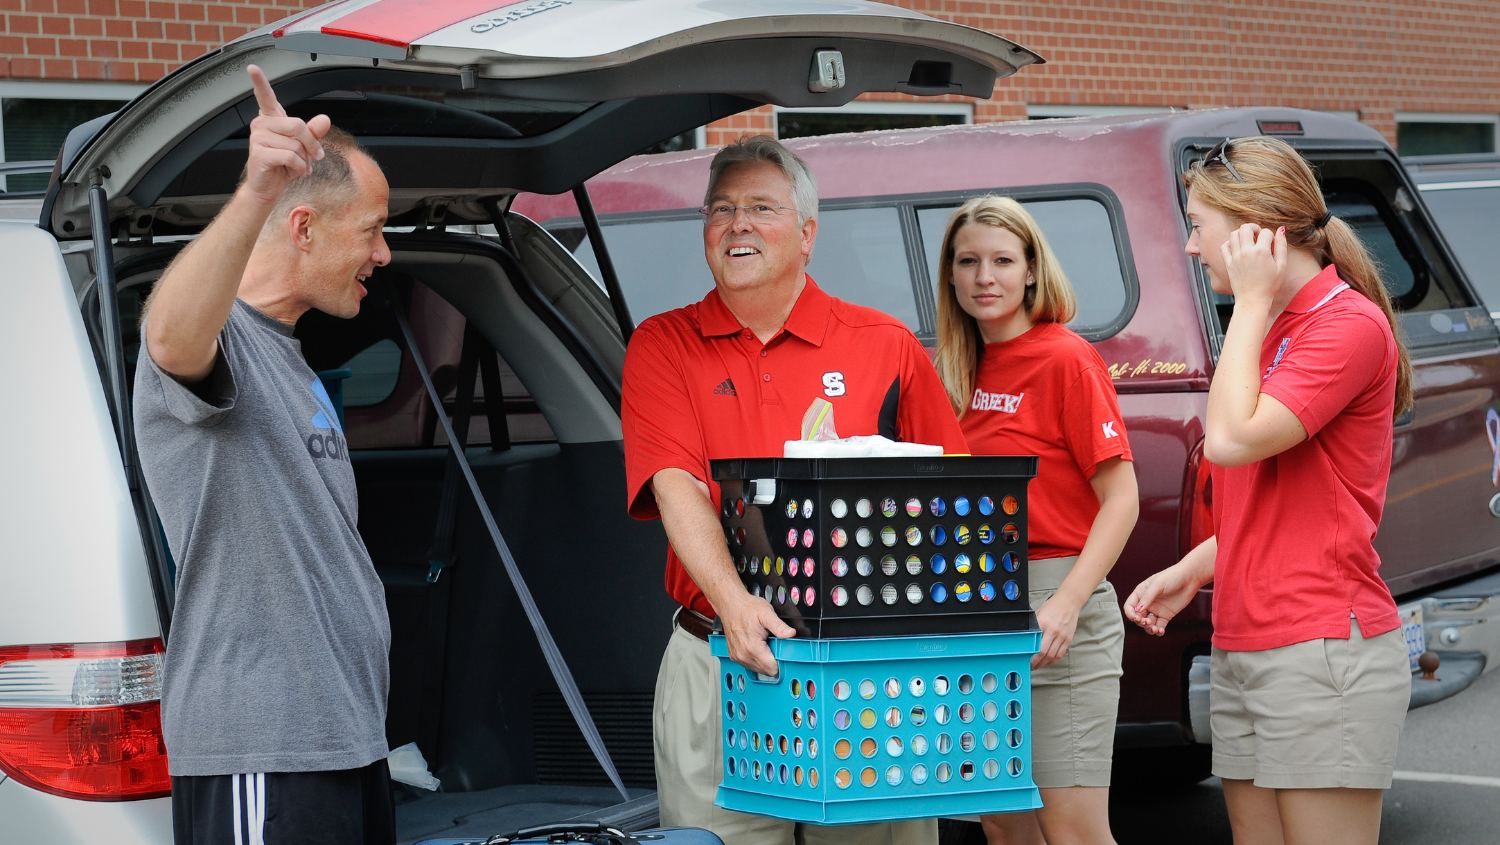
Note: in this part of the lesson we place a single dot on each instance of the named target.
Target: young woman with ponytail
(1023, 384)
(1309, 674)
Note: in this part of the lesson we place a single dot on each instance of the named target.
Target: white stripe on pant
(254, 815)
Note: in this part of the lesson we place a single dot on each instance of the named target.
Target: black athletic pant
(348, 807)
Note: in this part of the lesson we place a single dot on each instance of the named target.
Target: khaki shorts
(690, 764)
(1312, 715)
(1075, 701)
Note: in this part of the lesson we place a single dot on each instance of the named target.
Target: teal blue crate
(880, 729)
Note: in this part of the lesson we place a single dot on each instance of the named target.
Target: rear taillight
(84, 721)
(1197, 503)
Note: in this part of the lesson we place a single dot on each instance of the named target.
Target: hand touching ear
(1255, 259)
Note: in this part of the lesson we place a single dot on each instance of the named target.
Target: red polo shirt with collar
(700, 387)
(1296, 530)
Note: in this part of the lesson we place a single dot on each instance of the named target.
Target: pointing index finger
(264, 96)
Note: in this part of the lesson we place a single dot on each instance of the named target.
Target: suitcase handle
(565, 832)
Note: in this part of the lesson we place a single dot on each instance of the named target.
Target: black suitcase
(592, 834)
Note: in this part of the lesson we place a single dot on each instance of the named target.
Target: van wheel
(1171, 767)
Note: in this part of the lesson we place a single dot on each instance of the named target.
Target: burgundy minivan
(1107, 193)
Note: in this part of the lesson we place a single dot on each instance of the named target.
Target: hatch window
(431, 112)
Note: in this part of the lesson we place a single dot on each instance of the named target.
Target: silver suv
(463, 109)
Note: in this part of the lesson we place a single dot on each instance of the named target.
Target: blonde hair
(1279, 189)
(1049, 300)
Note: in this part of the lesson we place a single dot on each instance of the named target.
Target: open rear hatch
(467, 101)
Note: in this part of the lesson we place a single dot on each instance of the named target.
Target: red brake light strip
(399, 24)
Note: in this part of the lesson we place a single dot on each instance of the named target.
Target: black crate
(890, 572)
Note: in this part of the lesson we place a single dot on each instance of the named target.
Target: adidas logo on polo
(725, 388)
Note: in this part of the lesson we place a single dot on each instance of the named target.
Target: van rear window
(1081, 236)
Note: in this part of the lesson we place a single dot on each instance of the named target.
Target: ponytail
(1345, 251)
(1271, 185)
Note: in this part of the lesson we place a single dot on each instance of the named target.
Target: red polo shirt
(700, 387)
(1296, 531)
(1047, 393)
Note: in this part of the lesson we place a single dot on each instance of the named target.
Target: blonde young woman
(1309, 676)
(1023, 384)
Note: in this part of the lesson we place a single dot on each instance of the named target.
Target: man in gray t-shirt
(277, 668)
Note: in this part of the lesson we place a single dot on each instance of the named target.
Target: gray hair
(331, 185)
(765, 148)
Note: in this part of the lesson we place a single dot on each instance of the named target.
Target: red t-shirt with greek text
(1047, 393)
(1296, 531)
(700, 387)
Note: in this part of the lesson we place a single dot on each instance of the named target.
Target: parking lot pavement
(1455, 739)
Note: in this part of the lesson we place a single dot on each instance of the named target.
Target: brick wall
(122, 40)
(1373, 58)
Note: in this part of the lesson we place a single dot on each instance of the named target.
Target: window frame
(906, 206)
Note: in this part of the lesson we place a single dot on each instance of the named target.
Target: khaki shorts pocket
(1337, 658)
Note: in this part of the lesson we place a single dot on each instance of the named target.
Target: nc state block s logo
(833, 384)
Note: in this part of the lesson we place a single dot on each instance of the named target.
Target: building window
(1043, 112)
(1422, 133)
(35, 118)
(867, 116)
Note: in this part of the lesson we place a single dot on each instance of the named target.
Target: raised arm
(192, 300)
(694, 532)
(1245, 425)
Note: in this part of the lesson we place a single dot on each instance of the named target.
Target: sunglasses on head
(1220, 153)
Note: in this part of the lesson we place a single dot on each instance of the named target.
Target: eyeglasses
(718, 215)
(1220, 153)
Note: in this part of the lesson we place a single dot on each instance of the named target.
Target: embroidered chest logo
(833, 384)
(1280, 351)
(1003, 402)
(725, 388)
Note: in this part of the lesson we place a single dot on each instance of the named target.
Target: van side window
(660, 262)
(1433, 308)
(1406, 276)
(859, 256)
(376, 369)
(385, 402)
(1081, 236)
(1466, 216)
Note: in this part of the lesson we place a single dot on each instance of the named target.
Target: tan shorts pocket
(1337, 658)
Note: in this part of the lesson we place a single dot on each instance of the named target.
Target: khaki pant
(1319, 714)
(690, 764)
(1075, 701)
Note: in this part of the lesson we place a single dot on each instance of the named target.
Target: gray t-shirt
(278, 658)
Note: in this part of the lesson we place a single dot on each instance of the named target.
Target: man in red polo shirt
(730, 377)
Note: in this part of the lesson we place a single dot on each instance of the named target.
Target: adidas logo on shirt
(1003, 402)
(725, 388)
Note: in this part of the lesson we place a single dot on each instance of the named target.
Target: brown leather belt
(694, 623)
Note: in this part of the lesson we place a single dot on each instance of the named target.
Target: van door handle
(1407, 417)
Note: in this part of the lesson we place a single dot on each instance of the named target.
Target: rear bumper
(32, 816)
